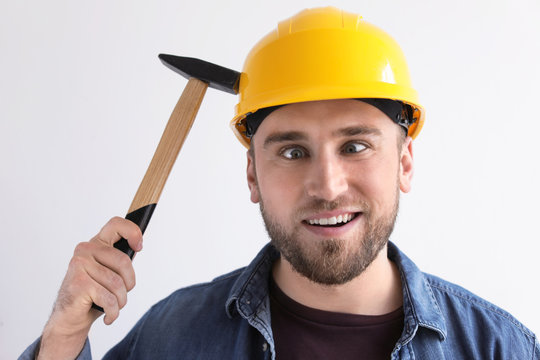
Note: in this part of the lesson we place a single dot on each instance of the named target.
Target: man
(328, 114)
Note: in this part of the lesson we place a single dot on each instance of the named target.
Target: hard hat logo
(322, 54)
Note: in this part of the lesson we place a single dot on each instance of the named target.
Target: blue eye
(293, 153)
(353, 148)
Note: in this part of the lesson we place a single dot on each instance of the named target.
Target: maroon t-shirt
(301, 332)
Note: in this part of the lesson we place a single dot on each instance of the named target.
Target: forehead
(324, 118)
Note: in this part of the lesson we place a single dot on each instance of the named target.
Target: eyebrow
(356, 130)
(279, 137)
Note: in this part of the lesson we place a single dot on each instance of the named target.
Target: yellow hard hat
(322, 54)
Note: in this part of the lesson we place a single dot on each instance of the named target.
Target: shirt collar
(419, 304)
(250, 290)
(420, 307)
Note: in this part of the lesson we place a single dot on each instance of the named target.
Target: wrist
(58, 342)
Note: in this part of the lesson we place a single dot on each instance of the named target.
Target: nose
(326, 178)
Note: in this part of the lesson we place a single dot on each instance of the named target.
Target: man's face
(327, 176)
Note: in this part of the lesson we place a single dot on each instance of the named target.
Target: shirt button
(265, 347)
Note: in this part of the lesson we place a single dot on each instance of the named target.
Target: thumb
(118, 228)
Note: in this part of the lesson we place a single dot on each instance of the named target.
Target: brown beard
(331, 261)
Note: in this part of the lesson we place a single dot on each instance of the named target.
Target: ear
(252, 178)
(406, 168)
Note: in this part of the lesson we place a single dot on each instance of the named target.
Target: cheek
(377, 182)
(279, 187)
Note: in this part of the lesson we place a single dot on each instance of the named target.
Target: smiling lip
(315, 223)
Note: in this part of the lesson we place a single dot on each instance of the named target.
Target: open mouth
(334, 221)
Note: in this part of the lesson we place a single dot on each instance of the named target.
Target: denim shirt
(229, 318)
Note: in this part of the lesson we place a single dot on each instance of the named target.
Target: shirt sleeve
(536, 350)
(31, 351)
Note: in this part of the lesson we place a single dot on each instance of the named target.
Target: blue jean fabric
(229, 318)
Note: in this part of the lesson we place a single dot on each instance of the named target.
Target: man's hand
(97, 273)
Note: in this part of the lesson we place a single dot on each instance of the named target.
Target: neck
(376, 291)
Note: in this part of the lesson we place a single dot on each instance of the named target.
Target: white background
(84, 100)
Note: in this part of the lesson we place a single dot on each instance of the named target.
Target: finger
(118, 228)
(102, 258)
(80, 289)
(111, 281)
(107, 300)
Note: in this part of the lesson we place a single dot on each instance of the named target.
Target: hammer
(201, 75)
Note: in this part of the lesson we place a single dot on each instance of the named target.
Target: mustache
(316, 205)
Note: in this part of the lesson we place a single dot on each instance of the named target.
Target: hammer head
(215, 76)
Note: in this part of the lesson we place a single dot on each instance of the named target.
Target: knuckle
(131, 282)
(80, 278)
(136, 231)
(123, 300)
(77, 262)
(113, 223)
(116, 282)
(109, 301)
(124, 261)
(82, 247)
(115, 220)
(133, 233)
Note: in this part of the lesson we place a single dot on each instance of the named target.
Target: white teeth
(332, 221)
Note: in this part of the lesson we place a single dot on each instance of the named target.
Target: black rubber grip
(141, 217)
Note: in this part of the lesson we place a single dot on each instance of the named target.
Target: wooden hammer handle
(158, 171)
(170, 144)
